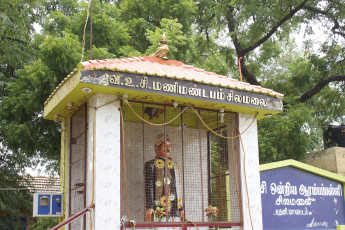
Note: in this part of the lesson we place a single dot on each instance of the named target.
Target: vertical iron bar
(202, 181)
(121, 160)
(70, 167)
(237, 148)
(218, 175)
(230, 165)
(183, 184)
(166, 164)
(85, 159)
(143, 152)
(209, 166)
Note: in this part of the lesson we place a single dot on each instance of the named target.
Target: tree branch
(274, 29)
(247, 74)
(241, 52)
(13, 39)
(233, 35)
(231, 26)
(335, 21)
(319, 86)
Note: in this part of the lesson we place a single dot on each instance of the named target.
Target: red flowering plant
(211, 211)
(160, 213)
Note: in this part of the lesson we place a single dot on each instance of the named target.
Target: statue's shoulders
(150, 162)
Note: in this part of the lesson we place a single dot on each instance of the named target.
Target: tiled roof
(42, 184)
(171, 68)
(165, 68)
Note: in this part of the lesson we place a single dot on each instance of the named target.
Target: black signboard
(334, 135)
(181, 88)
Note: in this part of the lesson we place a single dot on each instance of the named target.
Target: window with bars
(178, 165)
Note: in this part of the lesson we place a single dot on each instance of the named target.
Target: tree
(15, 199)
(17, 18)
(258, 31)
(44, 223)
(212, 35)
(209, 34)
(16, 50)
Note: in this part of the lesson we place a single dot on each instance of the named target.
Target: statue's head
(163, 145)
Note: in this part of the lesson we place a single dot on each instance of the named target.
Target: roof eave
(303, 166)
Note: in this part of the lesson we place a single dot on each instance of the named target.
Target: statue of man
(162, 183)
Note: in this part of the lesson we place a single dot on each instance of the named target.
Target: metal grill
(200, 170)
(77, 167)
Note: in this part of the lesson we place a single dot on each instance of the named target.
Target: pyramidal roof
(89, 74)
(167, 68)
(172, 69)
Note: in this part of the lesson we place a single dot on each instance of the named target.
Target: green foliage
(211, 35)
(293, 75)
(16, 25)
(61, 54)
(14, 203)
(56, 23)
(44, 223)
(66, 7)
(16, 19)
(176, 40)
(154, 11)
(101, 53)
(286, 136)
(107, 31)
(22, 109)
(207, 34)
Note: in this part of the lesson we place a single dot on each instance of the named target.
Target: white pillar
(107, 184)
(251, 150)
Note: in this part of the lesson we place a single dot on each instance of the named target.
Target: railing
(73, 217)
